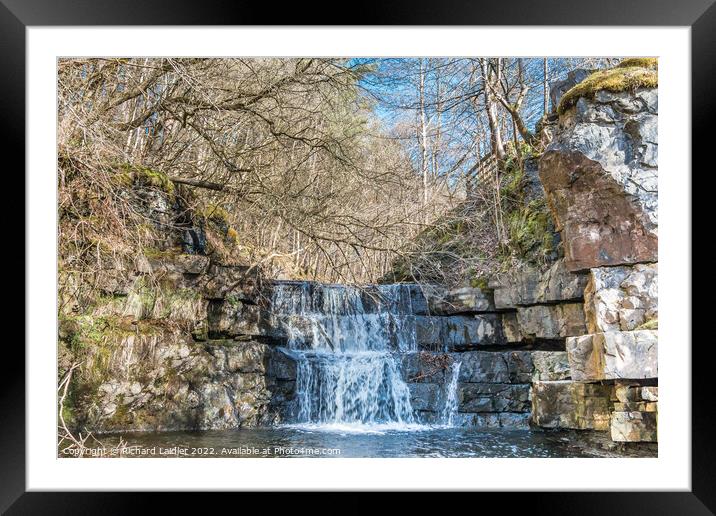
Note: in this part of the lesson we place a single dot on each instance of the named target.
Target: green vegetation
(651, 324)
(216, 213)
(134, 174)
(630, 75)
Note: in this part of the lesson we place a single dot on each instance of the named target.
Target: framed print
(417, 253)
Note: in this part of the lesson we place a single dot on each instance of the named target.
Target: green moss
(625, 77)
(216, 213)
(479, 282)
(651, 324)
(158, 254)
(644, 62)
(129, 175)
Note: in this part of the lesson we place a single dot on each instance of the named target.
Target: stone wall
(600, 177)
(181, 349)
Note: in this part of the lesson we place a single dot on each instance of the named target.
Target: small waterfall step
(345, 340)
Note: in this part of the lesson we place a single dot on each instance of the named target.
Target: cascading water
(345, 341)
(451, 401)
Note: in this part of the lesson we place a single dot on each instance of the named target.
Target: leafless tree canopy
(325, 168)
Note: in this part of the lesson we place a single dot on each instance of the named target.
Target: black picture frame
(17, 15)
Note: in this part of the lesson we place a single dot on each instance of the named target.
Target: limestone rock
(566, 404)
(550, 365)
(486, 420)
(613, 355)
(559, 88)
(230, 319)
(621, 298)
(238, 282)
(600, 178)
(551, 321)
(493, 397)
(460, 300)
(511, 327)
(650, 393)
(530, 287)
(425, 396)
(457, 332)
(634, 426)
(636, 406)
(494, 367)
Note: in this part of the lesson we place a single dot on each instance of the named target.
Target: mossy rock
(630, 75)
(130, 175)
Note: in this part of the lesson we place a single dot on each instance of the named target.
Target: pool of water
(340, 440)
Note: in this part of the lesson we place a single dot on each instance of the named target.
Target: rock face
(565, 404)
(600, 177)
(460, 300)
(634, 426)
(550, 365)
(621, 298)
(559, 88)
(492, 388)
(458, 332)
(530, 287)
(550, 321)
(161, 381)
(613, 355)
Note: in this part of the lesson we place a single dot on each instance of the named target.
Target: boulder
(613, 355)
(600, 178)
(634, 426)
(621, 298)
(531, 287)
(566, 404)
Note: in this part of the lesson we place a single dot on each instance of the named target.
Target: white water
(346, 343)
(451, 401)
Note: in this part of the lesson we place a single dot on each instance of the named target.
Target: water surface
(387, 440)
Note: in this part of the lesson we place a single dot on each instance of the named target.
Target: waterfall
(345, 341)
(451, 401)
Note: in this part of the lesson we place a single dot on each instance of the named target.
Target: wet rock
(621, 298)
(530, 287)
(493, 397)
(425, 396)
(425, 367)
(282, 366)
(600, 177)
(565, 404)
(507, 420)
(613, 355)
